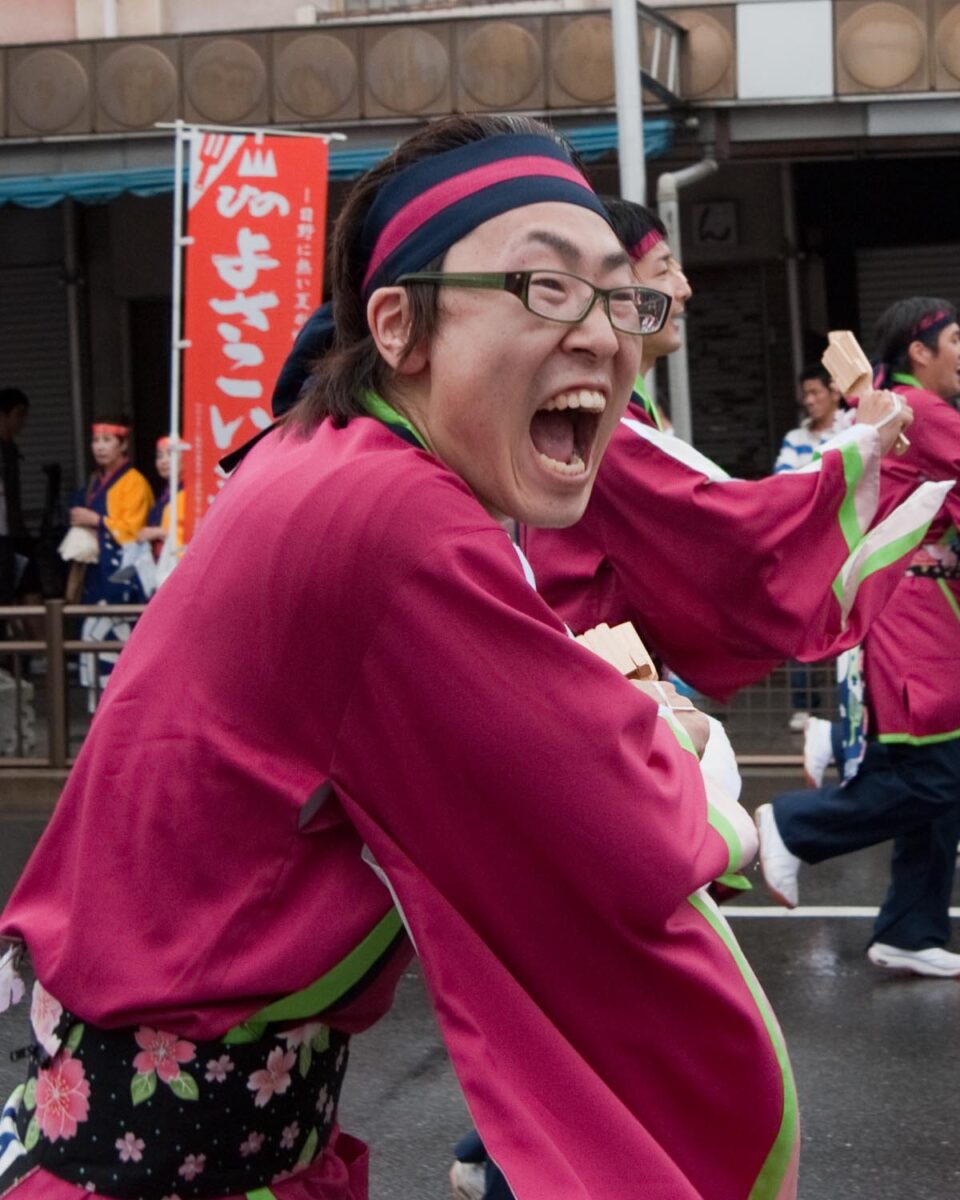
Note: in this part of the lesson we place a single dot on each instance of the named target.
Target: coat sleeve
(474, 689)
(543, 831)
(728, 577)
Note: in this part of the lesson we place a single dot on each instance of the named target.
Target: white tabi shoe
(468, 1180)
(778, 865)
(934, 962)
(817, 750)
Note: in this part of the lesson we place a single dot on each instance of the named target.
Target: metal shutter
(741, 378)
(34, 356)
(885, 275)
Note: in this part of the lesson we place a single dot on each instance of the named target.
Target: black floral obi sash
(142, 1114)
(935, 571)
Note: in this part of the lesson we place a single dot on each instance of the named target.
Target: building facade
(835, 125)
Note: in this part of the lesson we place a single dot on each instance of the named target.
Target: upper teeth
(589, 401)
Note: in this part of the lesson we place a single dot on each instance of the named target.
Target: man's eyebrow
(571, 253)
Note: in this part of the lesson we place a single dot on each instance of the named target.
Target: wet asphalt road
(877, 1056)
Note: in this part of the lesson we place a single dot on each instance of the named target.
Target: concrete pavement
(876, 1055)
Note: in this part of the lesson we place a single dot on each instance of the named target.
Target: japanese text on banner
(253, 275)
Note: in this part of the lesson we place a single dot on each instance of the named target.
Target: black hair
(115, 417)
(918, 318)
(631, 221)
(815, 371)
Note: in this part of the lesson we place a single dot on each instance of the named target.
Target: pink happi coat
(725, 578)
(912, 651)
(349, 613)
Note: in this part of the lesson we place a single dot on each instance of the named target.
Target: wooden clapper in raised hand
(851, 371)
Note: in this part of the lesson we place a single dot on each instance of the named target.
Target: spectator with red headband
(114, 505)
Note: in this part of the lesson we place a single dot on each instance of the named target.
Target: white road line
(824, 911)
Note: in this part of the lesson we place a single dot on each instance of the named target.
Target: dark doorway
(149, 323)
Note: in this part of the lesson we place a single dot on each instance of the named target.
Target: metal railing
(44, 706)
(758, 717)
(58, 723)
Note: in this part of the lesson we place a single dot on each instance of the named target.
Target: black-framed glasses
(560, 296)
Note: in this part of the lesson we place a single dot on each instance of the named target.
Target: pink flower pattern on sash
(301, 1034)
(63, 1097)
(218, 1069)
(274, 1078)
(253, 1144)
(192, 1166)
(161, 1052)
(130, 1147)
(45, 1013)
(117, 1128)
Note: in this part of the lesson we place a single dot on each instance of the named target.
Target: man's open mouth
(563, 431)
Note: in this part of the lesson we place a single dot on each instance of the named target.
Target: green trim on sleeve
(768, 1183)
(262, 1193)
(951, 598)
(678, 731)
(718, 822)
(733, 879)
(887, 555)
(325, 991)
(853, 468)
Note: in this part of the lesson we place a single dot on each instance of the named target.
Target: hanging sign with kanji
(253, 275)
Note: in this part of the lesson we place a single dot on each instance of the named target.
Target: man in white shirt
(824, 418)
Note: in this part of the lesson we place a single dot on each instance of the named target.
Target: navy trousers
(910, 794)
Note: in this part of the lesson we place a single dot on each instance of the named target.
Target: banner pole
(176, 340)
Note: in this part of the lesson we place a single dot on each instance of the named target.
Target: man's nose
(595, 333)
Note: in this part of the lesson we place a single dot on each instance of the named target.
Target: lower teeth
(573, 467)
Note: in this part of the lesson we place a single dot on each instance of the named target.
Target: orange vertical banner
(253, 275)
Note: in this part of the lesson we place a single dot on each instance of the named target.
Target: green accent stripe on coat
(772, 1173)
(853, 468)
(325, 991)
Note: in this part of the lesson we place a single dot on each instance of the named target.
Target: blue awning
(98, 187)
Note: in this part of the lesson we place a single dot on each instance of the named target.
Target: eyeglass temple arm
(486, 279)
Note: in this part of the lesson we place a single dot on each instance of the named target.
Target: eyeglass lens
(561, 297)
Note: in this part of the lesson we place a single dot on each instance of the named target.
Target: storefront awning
(98, 187)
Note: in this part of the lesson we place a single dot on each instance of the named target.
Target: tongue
(552, 434)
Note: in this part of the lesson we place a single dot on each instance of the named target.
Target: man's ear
(388, 316)
(919, 352)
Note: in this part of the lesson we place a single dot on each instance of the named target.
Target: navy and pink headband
(932, 324)
(424, 209)
(653, 237)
